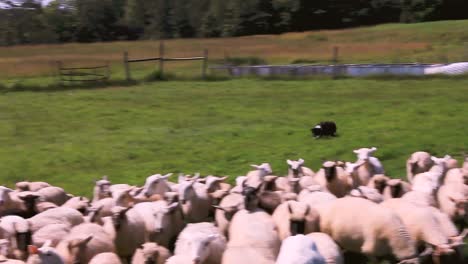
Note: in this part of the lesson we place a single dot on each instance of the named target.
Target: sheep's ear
(33, 250)
(301, 161)
(373, 149)
(254, 166)
(212, 237)
(172, 206)
(80, 241)
(166, 176)
(289, 162)
(223, 178)
(105, 177)
(356, 151)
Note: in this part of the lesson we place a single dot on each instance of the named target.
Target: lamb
(418, 162)
(379, 232)
(314, 195)
(31, 186)
(201, 243)
(54, 195)
(333, 178)
(16, 230)
(327, 248)
(372, 164)
(299, 249)
(83, 243)
(252, 239)
(195, 202)
(53, 233)
(297, 170)
(396, 188)
(105, 258)
(59, 215)
(422, 225)
(228, 206)
(156, 184)
(255, 177)
(293, 218)
(101, 189)
(368, 193)
(127, 227)
(150, 253)
(163, 221)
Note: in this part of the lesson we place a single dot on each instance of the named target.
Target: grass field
(71, 137)
(434, 42)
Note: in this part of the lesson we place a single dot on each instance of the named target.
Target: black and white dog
(325, 128)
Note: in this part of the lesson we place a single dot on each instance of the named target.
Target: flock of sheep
(343, 213)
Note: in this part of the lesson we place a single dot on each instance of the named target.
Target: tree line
(30, 21)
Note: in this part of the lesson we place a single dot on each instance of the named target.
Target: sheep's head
(265, 168)
(250, 196)
(104, 187)
(22, 186)
(161, 217)
(380, 182)
(329, 168)
(119, 215)
(200, 248)
(152, 182)
(150, 252)
(212, 183)
(396, 187)
(364, 153)
(351, 168)
(295, 166)
(297, 217)
(124, 198)
(185, 189)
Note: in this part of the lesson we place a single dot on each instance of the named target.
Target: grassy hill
(72, 137)
(443, 41)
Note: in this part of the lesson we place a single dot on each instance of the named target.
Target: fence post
(126, 66)
(205, 63)
(161, 58)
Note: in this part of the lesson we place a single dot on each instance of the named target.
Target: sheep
(101, 189)
(4, 251)
(127, 227)
(106, 258)
(451, 162)
(255, 177)
(239, 184)
(418, 162)
(150, 253)
(314, 195)
(12, 202)
(44, 255)
(297, 170)
(288, 184)
(53, 233)
(299, 249)
(333, 178)
(378, 182)
(368, 193)
(84, 242)
(163, 221)
(293, 218)
(156, 184)
(430, 181)
(453, 200)
(228, 206)
(396, 188)
(422, 225)
(54, 195)
(421, 198)
(372, 164)
(59, 215)
(16, 230)
(252, 239)
(448, 228)
(201, 243)
(31, 186)
(456, 176)
(327, 248)
(377, 233)
(194, 199)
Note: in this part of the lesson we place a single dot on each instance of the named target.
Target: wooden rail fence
(162, 59)
(83, 74)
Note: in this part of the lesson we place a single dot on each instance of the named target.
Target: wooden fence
(83, 74)
(162, 59)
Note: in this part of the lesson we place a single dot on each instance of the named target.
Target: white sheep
(150, 253)
(105, 258)
(11, 203)
(293, 218)
(252, 239)
(59, 215)
(371, 166)
(239, 184)
(418, 162)
(255, 177)
(54, 195)
(195, 202)
(315, 195)
(421, 224)
(31, 186)
(421, 198)
(101, 189)
(297, 169)
(453, 200)
(201, 243)
(228, 206)
(16, 230)
(330, 251)
(299, 249)
(449, 229)
(163, 221)
(396, 188)
(431, 180)
(456, 176)
(156, 184)
(53, 233)
(84, 242)
(378, 232)
(78, 203)
(127, 227)
(334, 179)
